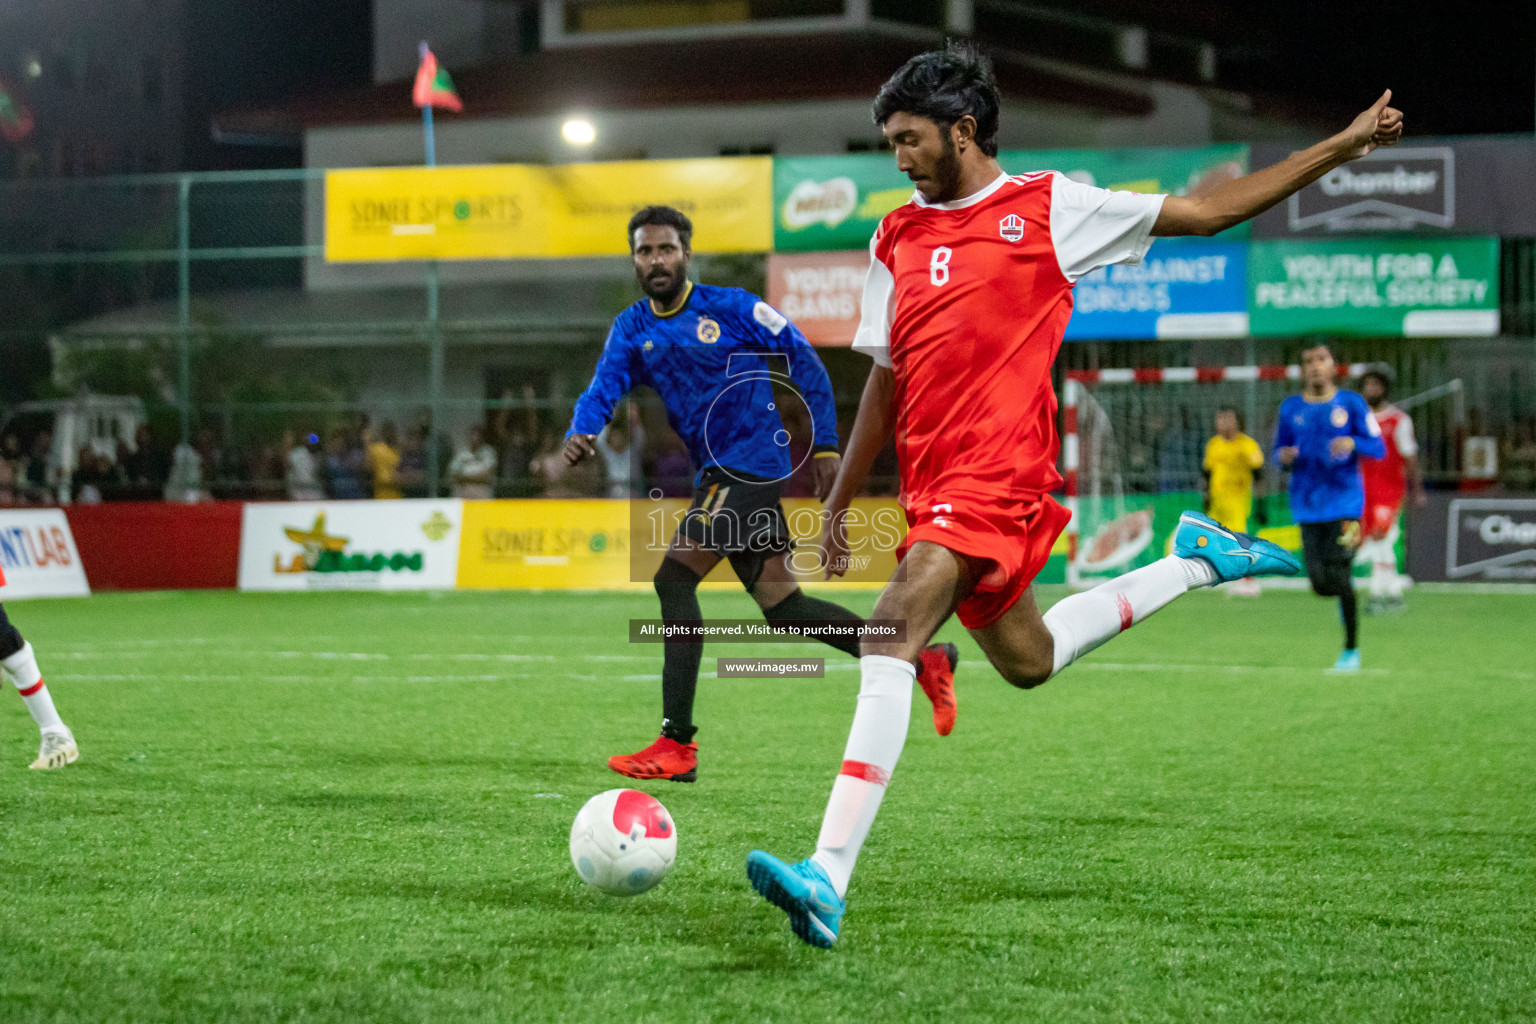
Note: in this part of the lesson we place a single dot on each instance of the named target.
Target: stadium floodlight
(578, 131)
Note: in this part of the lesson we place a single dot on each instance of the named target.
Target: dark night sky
(1456, 67)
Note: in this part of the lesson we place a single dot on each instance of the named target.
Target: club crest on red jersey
(1011, 227)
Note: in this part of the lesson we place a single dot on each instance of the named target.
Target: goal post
(1133, 445)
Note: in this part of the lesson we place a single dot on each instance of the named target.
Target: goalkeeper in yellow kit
(1233, 461)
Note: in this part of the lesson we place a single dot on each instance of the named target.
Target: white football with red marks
(623, 842)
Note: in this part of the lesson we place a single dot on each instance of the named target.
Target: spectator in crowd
(40, 471)
(11, 470)
(10, 494)
(301, 467)
(412, 471)
(184, 483)
(620, 445)
(1180, 453)
(343, 467)
(145, 466)
(517, 435)
(94, 476)
(1517, 456)
(211, 453)
(383, 462)
(473, 469)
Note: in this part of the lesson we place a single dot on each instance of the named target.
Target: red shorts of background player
(1379, 519)
(1013, 539)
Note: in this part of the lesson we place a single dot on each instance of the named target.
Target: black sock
(677, 586)
(799, 607)
(10, 639)
(1351, 616)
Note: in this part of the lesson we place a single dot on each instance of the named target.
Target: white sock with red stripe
(1084, 621)
(874, 746)
(23, 670)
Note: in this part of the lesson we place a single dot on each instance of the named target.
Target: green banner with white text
(1412, 287)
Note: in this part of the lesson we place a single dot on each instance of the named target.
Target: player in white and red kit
(18, 663)
(968, 293)
(1387, 482)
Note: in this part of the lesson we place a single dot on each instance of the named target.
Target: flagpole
(437, 356)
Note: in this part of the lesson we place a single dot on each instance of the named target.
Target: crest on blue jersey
(709, 331)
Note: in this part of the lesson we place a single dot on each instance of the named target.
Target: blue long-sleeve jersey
(1324, 488)
(714, 362)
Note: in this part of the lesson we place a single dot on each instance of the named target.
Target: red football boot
(937, 678)
(664, 759)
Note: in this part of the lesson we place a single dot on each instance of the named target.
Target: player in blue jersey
(712, 355)
(1322, 435)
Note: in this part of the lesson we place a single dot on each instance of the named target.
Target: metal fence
(207, 299)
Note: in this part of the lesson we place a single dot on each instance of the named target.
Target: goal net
(1133, 447)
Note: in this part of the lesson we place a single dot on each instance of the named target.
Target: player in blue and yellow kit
(712, 355)
(1322, 435)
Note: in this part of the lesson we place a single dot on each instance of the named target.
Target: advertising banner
(511, 211)
(350, 545)
(836, 202)
(1487, 539)
(1418, 287)
(616, 544)
(38, 557)
(1462, 186)
(819, 292)
(1181, 290)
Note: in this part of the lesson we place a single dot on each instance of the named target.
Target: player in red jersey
(968, 293)
(1387, 482)
(19, 664)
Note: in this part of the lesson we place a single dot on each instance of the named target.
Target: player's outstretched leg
(57, 748)
(1205, 553)
(935, 580)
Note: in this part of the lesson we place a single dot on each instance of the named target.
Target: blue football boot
(1349, 661)
(1230, 554)
(803, 891)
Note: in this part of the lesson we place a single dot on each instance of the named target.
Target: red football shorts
(1379, 518)
(1012, 540)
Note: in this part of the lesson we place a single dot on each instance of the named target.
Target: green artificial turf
(355, 807)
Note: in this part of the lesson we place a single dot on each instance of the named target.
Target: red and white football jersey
(966, 302)
(1386, 481)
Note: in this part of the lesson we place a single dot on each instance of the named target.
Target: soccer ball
(623, 842)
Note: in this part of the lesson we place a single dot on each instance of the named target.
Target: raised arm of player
(872, 427)
(1235, 201)
(610, 382)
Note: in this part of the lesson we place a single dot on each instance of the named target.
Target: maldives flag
(433, 86)
(15, 120)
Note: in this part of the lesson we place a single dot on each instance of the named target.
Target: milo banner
(835, 202)
(510, 211)
(1415, 287)
(350, 545)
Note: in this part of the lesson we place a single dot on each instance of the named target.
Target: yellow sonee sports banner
(514, 211)
(617, 545)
